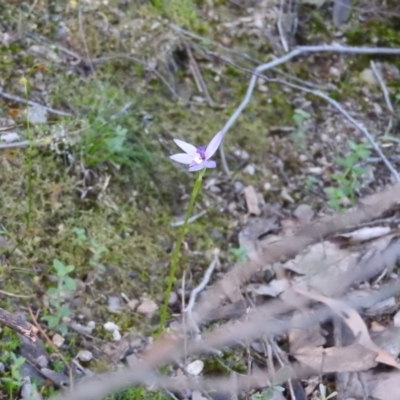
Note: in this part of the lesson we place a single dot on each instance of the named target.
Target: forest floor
(92, 94)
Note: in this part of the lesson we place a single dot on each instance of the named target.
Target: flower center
(201, 151)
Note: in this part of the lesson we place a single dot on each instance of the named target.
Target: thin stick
(144, 64)
(17, 296)
(294, 53)
(383, 87)
(280, 28)
(139, 372)
(202, 285)
(18, 324)
(51, 344)
(32, 103)
(355, 123)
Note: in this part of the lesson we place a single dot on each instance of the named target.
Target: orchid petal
(209, 164)
(196, 167)
(182, 158)
(213, 145)
(186, 147)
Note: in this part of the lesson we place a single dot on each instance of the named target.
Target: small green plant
(239, 254)
(281, 376)
(322, 393)
(57, 296)
(97, 250)
(310, 183)
(299, 134)
(348, 179)
(13, 379)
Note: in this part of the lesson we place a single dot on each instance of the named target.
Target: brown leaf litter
(319, 263)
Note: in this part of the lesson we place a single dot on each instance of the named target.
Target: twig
(24, 143)
(294, 53)
(339, 108)
(51, 344)
(19, 325)
(385, 95)
(383, 87)
(123, 110)
(144, 64)
(190, 220)
(371, 207)
(32, 103)
(85, 45)
(355, 123)
(51, 44)
(280, 28)
(139, 372)
(201, 85)
(17, 296)
(202, 285)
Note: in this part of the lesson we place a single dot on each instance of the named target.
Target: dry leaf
(356, 325)
(372, 385)
(351, 358)
(300, 339)
(361, 235)
(251, 198)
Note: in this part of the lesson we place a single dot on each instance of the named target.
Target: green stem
(176, 252)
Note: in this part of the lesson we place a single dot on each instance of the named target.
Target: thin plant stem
(176, 252)
(24, 81)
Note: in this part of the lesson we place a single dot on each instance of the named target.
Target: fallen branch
(18, 99)
(294, 53)
(18, 324)
(355, 123)
(261, 321)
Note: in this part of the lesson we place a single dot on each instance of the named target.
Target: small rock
(368, 77)
(286, 196)
(85, 355)
(250, 169)
(29, 391)
(132, 304)
(114, 304)
(91, 324)
(116, 335)
(58, 340)
(110, 326)
(244, 155)
(334, 72)
(238, 186)
(195, 367)
(81, 328)
(147, 307)
(10, 137)
(37, 114)
(42, 361)
(267, 186)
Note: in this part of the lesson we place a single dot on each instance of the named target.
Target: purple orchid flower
(198, 158)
